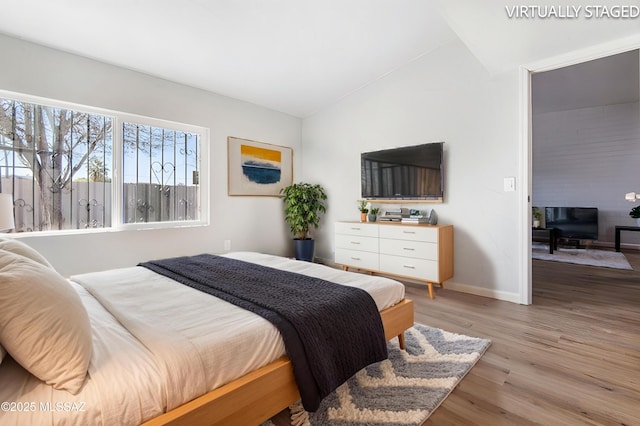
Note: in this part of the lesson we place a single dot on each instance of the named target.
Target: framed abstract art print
(258, 168)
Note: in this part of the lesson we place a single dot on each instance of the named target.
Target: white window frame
(118, 119)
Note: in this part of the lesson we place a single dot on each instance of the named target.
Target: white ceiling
(502, 43)
(294, 56)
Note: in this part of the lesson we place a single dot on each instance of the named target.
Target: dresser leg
(431, 296)
(345, 268)
(401, 340)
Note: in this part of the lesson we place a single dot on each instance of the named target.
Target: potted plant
(373, 214)
(362, 206)
(537, 215)
(302, 204)
(635, 213)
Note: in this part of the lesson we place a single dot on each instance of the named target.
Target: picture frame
(258, 168)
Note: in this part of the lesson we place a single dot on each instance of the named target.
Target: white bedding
(158, 344)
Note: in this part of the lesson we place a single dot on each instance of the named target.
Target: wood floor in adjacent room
(571, 358)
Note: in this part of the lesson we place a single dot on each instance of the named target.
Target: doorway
(560, 93)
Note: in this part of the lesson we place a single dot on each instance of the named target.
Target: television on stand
(573, 224)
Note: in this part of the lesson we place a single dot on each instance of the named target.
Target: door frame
(525, 156)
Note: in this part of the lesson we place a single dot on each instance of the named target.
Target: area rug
(404, 389)
(591, 257)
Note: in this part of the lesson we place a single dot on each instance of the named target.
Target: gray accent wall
(589, 157)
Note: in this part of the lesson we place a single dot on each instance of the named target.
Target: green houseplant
(303, 203)
(373, 214)
(537, 215)
(362, 206)
(635, 213)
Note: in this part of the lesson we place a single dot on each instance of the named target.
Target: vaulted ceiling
(294, 56)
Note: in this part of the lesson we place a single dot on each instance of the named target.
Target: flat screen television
(579, 223)
(406, 173)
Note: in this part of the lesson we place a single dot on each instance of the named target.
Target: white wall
(36, 70)
(589, 157)
(447, 96)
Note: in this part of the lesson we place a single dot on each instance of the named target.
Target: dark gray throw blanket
(330, 331)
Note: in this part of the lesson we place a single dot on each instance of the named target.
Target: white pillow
(18, 247)
(43, 324)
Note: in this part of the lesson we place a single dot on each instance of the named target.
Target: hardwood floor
(571, 358)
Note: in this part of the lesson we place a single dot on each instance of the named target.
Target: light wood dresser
(418, 252)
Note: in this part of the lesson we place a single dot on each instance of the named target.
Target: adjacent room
(372, 194)
(585, 150)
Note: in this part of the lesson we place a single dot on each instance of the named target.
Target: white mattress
(159, 344)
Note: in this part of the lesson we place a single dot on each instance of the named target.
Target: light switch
(509, 184)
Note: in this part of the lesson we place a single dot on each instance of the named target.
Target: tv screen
(410, 172)
(580, 223)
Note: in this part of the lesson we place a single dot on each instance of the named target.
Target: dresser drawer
(356, 242)
(360, 229)
(415, 268)
(357, 259)
(408, 248)
(414, 233)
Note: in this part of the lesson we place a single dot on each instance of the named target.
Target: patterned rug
(404, 389)
(590, 257)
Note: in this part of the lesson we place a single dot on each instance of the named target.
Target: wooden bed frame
(263, 393)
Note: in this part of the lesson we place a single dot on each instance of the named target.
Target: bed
(172, 375)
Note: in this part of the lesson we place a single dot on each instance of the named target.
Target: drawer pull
(408, 232)
(355, 258)
(355, 242)
(408, 249)
(409, 266)
(355, 229)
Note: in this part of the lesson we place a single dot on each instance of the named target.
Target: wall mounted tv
(577, 223)
(406, 173)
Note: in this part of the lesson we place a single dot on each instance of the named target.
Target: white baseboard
(485, 292)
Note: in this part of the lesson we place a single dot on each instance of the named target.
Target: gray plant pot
(372, 217)
(304, 249)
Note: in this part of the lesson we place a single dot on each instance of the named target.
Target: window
(69, 169)
(54, 162)
(160, 174)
